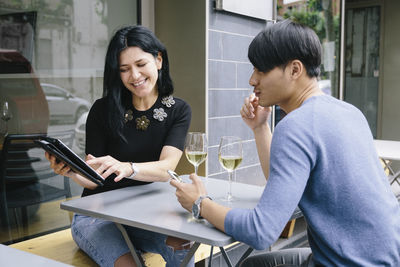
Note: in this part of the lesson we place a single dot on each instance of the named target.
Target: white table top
(11, 257)
(387, 149)
(154, 207)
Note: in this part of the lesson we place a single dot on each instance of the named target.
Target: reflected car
(20, 88)
(80, 134)
(64, 106)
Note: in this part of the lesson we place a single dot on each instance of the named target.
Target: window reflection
(64, 106)
(51, 71)
(20, 88)
(323, 16)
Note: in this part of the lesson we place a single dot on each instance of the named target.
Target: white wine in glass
(196, 148)
(230, 163)
(230, 156)
(196, 158)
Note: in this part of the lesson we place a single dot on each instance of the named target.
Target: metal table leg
(393, 176)
(228, 261)
(211, 256)
(387, 166)
(190, 254)
(226, 257)
(244, 256)
(137, 258)
(139, 261)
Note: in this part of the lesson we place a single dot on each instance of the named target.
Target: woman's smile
(139, 83)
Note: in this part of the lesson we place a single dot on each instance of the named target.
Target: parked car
(21, 90)
(80, 135)
(63, 105)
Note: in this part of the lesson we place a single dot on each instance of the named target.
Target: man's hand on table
(188, 193)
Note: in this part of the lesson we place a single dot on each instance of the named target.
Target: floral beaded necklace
(159, 114)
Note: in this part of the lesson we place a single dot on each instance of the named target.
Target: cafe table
(389, 151)
(154, 207)
(10, 257)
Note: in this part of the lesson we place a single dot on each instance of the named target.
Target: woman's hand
(60, 167)
(253, 114)
(107, 165)
(186, 193)
(63, 169)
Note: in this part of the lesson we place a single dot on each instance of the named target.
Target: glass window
(362, 46)
(51, 71)
(323, 16)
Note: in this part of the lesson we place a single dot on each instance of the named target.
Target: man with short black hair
(321, 158)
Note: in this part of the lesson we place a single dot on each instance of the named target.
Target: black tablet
(63, 153)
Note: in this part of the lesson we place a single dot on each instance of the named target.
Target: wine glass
(230, 156)
(196, 148)
(5, 114)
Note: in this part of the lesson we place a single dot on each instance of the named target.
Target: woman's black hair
(118, 97)
(282, 42)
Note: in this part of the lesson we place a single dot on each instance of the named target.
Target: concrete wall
(228, 74)
(181, 26)
(390, 74)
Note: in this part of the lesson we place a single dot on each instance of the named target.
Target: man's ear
(296, 68)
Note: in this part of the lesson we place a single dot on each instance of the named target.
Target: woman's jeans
(104, 242)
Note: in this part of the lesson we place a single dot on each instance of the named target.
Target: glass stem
(195, 169)
(229, 197)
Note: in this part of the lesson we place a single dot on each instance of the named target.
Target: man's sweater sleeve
(292, 159)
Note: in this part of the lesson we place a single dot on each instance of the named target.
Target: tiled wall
(229, 70)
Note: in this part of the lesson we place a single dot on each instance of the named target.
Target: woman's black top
(141, 145)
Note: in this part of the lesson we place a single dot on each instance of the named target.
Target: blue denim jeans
(104, 243)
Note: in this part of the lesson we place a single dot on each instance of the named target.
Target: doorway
(362, 60)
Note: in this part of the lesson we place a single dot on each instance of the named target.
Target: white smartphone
(175, 176)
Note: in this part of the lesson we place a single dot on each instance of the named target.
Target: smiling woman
(134, 134)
